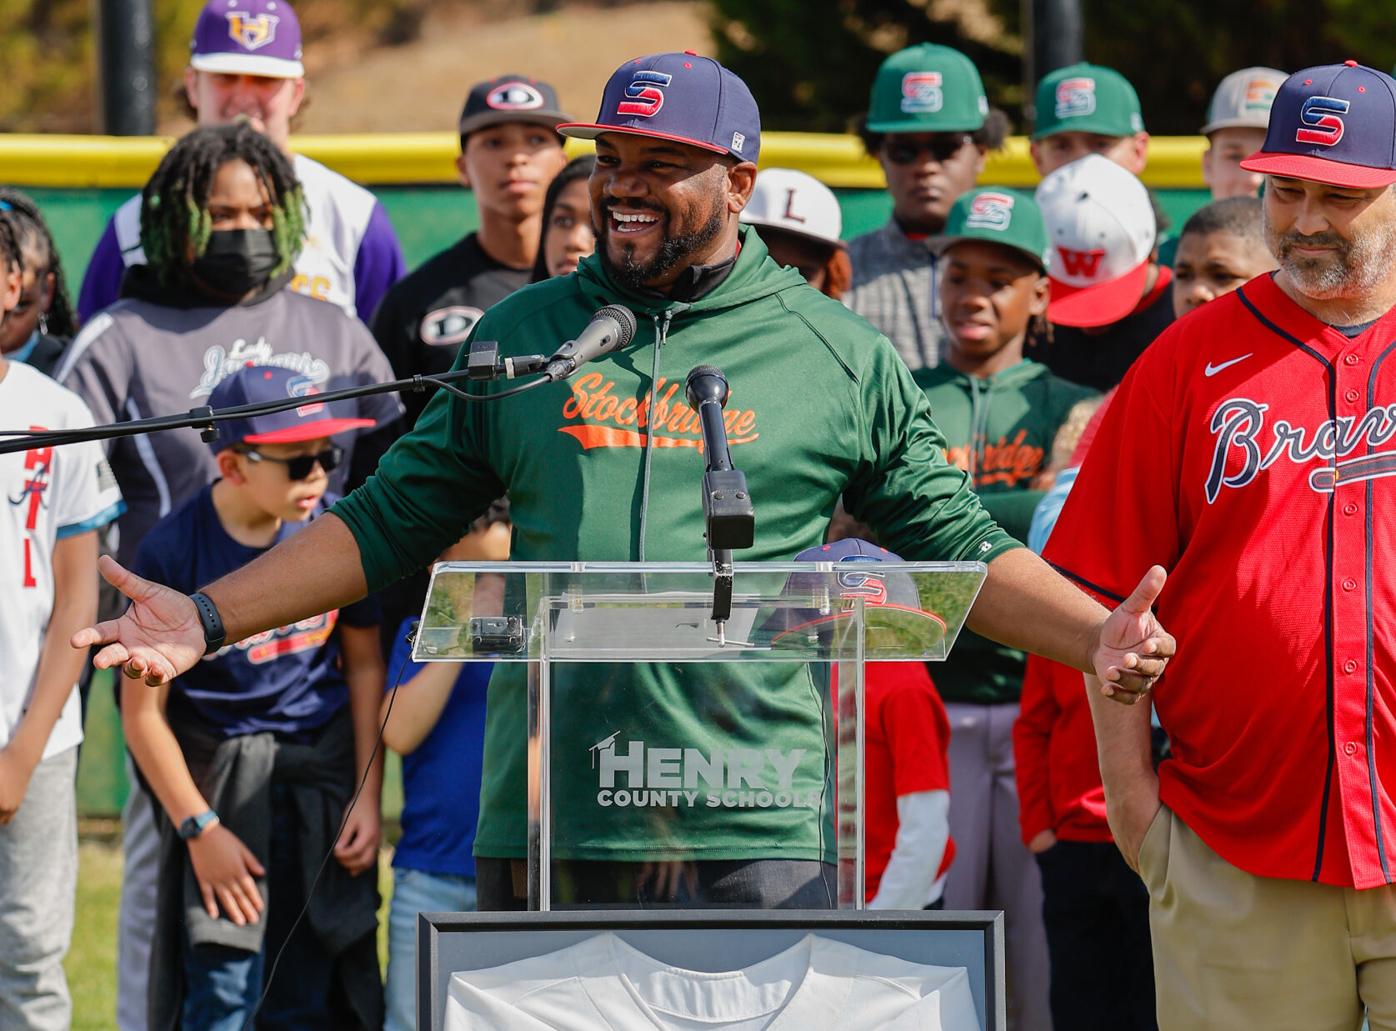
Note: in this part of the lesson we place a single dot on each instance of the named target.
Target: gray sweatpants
(993, 868)
(38, 876)
(140, 846)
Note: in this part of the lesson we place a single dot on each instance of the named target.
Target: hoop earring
(43, 324)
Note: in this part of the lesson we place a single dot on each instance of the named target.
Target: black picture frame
(434, 931)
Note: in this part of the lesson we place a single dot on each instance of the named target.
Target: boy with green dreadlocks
(222, 222)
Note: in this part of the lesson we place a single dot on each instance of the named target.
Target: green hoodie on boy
(1000, 430)
(605, 467)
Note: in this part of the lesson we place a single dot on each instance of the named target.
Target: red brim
(591, 130)
(1319, 170)
(1100, 304)
(309, 431)
(844, 617)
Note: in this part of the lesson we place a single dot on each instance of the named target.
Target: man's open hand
(156, 639)
(1132, 648)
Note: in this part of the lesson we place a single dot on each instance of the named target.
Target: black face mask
(236, 261)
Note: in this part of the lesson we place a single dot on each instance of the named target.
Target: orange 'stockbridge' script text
(604, 420)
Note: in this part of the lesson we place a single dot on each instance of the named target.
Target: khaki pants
(1233, 951)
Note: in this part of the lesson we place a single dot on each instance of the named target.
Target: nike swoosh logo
(1212, 370)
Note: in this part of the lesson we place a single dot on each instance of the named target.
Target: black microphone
(727, 507)
(610, 329)
(707, 392)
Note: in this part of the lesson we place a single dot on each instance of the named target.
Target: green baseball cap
(1087, 98)
(927, 88)
(993, 215)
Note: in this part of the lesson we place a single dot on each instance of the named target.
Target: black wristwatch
(192, 827)
(214, 634)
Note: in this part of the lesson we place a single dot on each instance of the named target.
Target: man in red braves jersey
(1254, 442)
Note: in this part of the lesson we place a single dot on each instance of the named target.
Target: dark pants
(1096, 910)
(222, 985)
(718, 884)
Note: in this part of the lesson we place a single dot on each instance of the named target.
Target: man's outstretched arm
(160, 636)
(1026, 604)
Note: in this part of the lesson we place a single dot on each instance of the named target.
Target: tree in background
(50, 60)
(812, 61)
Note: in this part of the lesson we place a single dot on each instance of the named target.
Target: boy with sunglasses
(929, 125)
(254, 754)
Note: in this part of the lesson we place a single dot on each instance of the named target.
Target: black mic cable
(610, 329)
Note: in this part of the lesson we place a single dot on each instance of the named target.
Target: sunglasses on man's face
(300, 467)
(908, 151)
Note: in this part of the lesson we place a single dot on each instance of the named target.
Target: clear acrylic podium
(650, 736)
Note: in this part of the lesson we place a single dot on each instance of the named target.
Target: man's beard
(1352, 268)
(673, 251)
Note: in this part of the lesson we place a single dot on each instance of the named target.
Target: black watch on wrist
(212, 622)
(192, 827)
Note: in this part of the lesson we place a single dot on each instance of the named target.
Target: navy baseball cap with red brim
(679, 97)
(254, 384)
(1332, 124)
(895, 622)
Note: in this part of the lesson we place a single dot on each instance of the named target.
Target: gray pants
(992, 867)
(140, 846)
(38, 876)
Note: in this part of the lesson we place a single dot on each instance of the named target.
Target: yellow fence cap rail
(423, 158)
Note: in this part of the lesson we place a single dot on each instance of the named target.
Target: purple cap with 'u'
(680, 97)
(248, 37)
(1333, 124)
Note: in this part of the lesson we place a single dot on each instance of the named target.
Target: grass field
(91, 962)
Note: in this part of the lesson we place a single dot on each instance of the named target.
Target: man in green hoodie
(601, 468)
(1000, 414)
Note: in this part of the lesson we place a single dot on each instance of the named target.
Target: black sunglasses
(941, 148)
(300, 467)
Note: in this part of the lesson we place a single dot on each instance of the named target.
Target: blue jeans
(222, 985)
(416, 891)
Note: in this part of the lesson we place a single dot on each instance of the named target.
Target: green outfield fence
(78, 181)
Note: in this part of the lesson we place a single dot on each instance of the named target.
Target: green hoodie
(1000, 430)
(820, 406)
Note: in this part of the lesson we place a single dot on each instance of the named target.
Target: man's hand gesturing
(156, 639)
(1131, 647)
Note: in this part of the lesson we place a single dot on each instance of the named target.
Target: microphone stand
(482, 364)
(729, 517)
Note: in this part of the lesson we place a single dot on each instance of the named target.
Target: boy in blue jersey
(255, 753)
(437, 725)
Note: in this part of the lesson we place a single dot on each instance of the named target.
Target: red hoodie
(1059, 787)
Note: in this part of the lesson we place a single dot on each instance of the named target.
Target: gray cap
(1243, 100)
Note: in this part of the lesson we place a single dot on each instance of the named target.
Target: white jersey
(52, 493)
(337, 217)
(604, 983)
